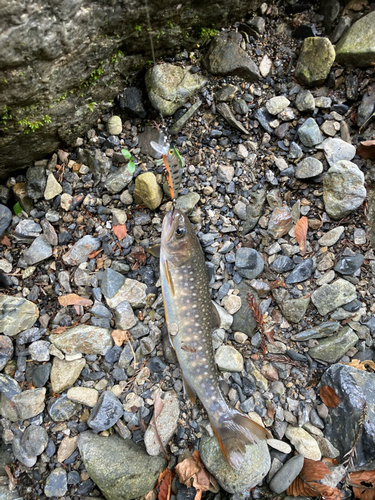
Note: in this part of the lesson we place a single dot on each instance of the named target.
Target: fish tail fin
(234, 431)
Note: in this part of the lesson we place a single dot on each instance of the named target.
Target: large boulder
(357, 46)
(315, 61)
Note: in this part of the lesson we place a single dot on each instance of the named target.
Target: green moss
(137, 27)
(91, 106)
(207, 33)
(170, 24)
(32, 126)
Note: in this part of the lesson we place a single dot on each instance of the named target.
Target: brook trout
(188, 312)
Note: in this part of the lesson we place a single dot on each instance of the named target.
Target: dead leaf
(165, 483)
(329, 396)
(366, 365)
(72, 299)
(120, 336)
(277, 283)
(308, 483)
(363, 484)
(94, 253)
(158, 405)
(269, 334)
(120, 231)
(100, 263)
(192, 472)
(138, 257)
(366, 149)
(5, 241)
(59, 329)
(300, 232)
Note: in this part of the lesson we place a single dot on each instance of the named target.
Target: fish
(188, 313)
(173, 163)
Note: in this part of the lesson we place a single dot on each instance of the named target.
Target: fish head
(178, 238)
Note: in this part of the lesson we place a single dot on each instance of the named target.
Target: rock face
(315, 61)
(357, 46)
(58, 40)
(136, 477)
(354, 388)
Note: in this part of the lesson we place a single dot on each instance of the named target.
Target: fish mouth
(171, 221)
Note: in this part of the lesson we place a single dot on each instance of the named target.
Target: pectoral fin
(154, 250)
(189, 391)
(168, 276)
(215, 317)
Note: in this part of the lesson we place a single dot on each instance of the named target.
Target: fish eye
(171, 151)
(180, 232)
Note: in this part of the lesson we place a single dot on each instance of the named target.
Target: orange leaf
(192, 472)
(120, 231)
(309, 482)
(99, 263)
(366, 149)
(165, 485)
(277, 283)
(94, 253)
(59, 329)
(5, 241)
(329, 396)
(301, 232)
(72, 299)
(363, 483)
(366, 365)
(119, 336)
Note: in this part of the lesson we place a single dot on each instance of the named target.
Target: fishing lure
(173, 163)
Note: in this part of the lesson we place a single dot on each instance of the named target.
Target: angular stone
(280, 222)
(228, 359)
(357, 46)
(243, 320)
(295, 309)
(39, 350)
(336, 150)
(83, 395)
(56, 483)
(254, 210)
(105, 413)
(62, 409)
(53, 188)
(112, 281)
(329, 297)
(301, 272)
(282, 264)
(147, 191)
(85, 339)
(8, 386)
(29, 403)
(303, 442)
(117, 181)
(325, 329)
(187, 202)
(16, 314)
(125, 317)
(6, 350)
(36, 181)
(5, 218)
(331, 237)
(133, 291)
(333, 348)
(348, 265)
(308, 167)
(39, 250)
(315, 61)
(249, 263)
(80, 250)
(305, 101)
(309, 133)
(65, 373)
(34, 440)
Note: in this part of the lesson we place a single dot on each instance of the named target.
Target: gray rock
(282, 264)
(249, 263)
(36, 181)
(294, 310)
(27, 229)
(343, 189)
(336, 149)
(225, 57)
(309, 133)
(354, 388)
(187, 202)
(65, 373)
(287, 474)
(325, 329)
(8, 386)
(280, 223)
(5, 218)
(305, 101)
(227, 114)
(131, 102)
(226, 94)
(225, 173)
(295, 151)
(80, 250)
(315, 61)
(62, 409)
(56, 483)
(240, 107)
(125, 317)
(5, 494)
(133, 291)
(243, 320)
(150, 134)
(39, 250)
(331, 237)
(301, 272)
(333, 348)
(112, 281)
(41, 375)
(29, 403)
(21, 455)
(255, 466)
(329, 297)
(105, 413)
(342, 27)
(308, 167)
(34, 440)
(357, 46)
(367, 106)
(114, 125)
(169, 86)
(277, 104)
(348, 265)
(86, 339)
(303, 442)
(254, 210)
(136, 479)
(39, 350)
(228, 359)
(6, 350)
(117, 181)
(326, 447)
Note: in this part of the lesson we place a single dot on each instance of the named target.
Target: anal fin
(215, 317)
(189, 391)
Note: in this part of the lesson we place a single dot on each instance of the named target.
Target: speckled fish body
(188, 309)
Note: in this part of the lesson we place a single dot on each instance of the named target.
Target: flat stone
(280, 222)
(348, 265)
(117, 181)
(56, 483)
(357, 47)
(226, 93)
(133, 291)
(21, 455)
(305, 101)
(166, 423)
(315, 60)
(41, 375)
(16, 314)
(112, 281)
(147, 191)
(277, 104)
(326, 447)
(232, 303)
(228, 359)
(53, 188)
(28, 229)
(329, 297)
(131, 101)
(39, 250)
(287, 474)
(83, 395)
(309, 133)
(105, 413)
(85, 339)
(34, 440)
(336, 150)
(65, 373)
(303, 442)
(331, 237)
(325, 329)
(243, 320)
(301, 272)
(360, 237)
(282, 264)
(8, 386)
(66, 448)
(281, 446)
(6, 350)
(333, 348)
(29, 403)
(294, 310)
(308, 167)
(39, 350)
(249, 263)
(62, 409)
(187, 202)
(80, 250)
(125, 317)
(136, 479)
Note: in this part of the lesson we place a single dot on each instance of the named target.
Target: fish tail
(234, 431)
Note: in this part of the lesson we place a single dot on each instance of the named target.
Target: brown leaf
(59, 329)
(192, 472)
(120, 231)
(277, 283)
(366, 149)
(300, 232)
(72, 299)
(5, 241)
(363, 483)
(99, 263)
(308, 483)
(366, 365)
(138, 256)
(120, 336)
(165, 484)
(329, 396)
(94, 253)
(269, 334)
(158, 405)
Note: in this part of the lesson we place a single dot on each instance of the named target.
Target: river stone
(348, 265)
(243, 320)
(294, 310)
(303, 442)
(325, 329)
(254, 210)
(225, 57)
(62, 409)
(21, 455)
(228, 359)
(249, 263)
(308, 167)
(114, 125)
(147, 191)
(287, 474)
(331, 237)
(36, 181)
(117, 181)
(34, 440)
(83, 395)
(309, 133)
(39, 350)
(7, 410)
(282, 264)
(6, 350)
(333, 348)
(187, 202)
(315, 61)
(105, 413)
(329, 297)
(125, 317)
(336, 149)
(353, 387)
(41, 374)
(112, 281)
(305, 101)
(301, 272)
(39, 250)
(170, 86)
(53, 188)
(343, 189)
(357, 46)
(280, 223)
(29, 403)
(16, 314)
(133, 291)
(86, 339)
(56, 483)
(135, 478)
(65, 373)
(8, 386)
(255, 466)
(277, 104)
(5, 218)
(166, 423)
(80, 250)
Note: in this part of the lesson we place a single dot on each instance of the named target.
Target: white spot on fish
(173, 329)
